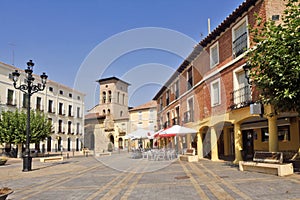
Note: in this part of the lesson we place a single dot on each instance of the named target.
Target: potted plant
(4, 192)
(3, 160)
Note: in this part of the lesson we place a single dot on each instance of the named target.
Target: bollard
(67, 155)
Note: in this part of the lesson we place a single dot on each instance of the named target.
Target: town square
(132, 100)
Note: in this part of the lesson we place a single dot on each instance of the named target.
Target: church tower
(107, 123)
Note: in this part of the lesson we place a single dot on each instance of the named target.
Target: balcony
(188, 116)
(240, 45)
(241, 98)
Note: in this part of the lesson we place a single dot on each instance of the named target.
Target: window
(61, 92)
(214, 55)
(240, 38)
(70, 111)
(50, 106)
(189, 114)
(25, 100)
(78, 112)
(77, 128)
(69, 127)
(109, 96)
(123, 99)
(167, 124)
(39, 103)
(215, 93)
(51, 89)
(176, 116)
(176, 89)
(283, 134)
(151, 114)
(10, 97)
(275, 17)
(60, 108)
(168, 97)
(118, 97)
(78, 97)
(160, 104)
(140, 114)
(103, 97)
(70, 95)
(60, 126)
(189, 78)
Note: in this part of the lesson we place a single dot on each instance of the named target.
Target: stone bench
(267, 162)
(51, 159)
(189, 156)
(104, 154)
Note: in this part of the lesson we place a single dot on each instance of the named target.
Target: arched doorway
(112, 139)
(49, 144)
(69, 144)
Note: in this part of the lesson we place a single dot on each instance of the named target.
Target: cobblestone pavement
(85, 178)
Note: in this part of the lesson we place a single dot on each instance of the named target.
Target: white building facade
(63, 106)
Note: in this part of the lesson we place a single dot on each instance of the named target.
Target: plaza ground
(120, 177)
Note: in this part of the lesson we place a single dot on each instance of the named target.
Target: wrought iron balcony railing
(241, 98)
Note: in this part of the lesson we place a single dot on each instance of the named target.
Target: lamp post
(246, 68)
(28, 88)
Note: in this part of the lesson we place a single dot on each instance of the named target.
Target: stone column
(199, 146)
(273, 134)
(214, 144)
(238, 141)
(272, 124)
(188, 141)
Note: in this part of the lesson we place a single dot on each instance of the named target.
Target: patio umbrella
(140, 134)
(177, 130)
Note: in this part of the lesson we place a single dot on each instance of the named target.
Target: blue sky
(59, 35)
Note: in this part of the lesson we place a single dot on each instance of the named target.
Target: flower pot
(4, 192)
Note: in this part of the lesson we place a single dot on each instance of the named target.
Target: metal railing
(241, 98)
(240, 45)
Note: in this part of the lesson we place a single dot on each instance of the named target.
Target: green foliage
(275, 60)
(13, 127)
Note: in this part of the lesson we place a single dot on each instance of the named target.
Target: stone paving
(120, 177)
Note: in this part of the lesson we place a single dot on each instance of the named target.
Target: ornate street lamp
(28, 88)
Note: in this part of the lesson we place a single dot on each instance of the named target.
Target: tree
(274, 62)
(13, 127)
